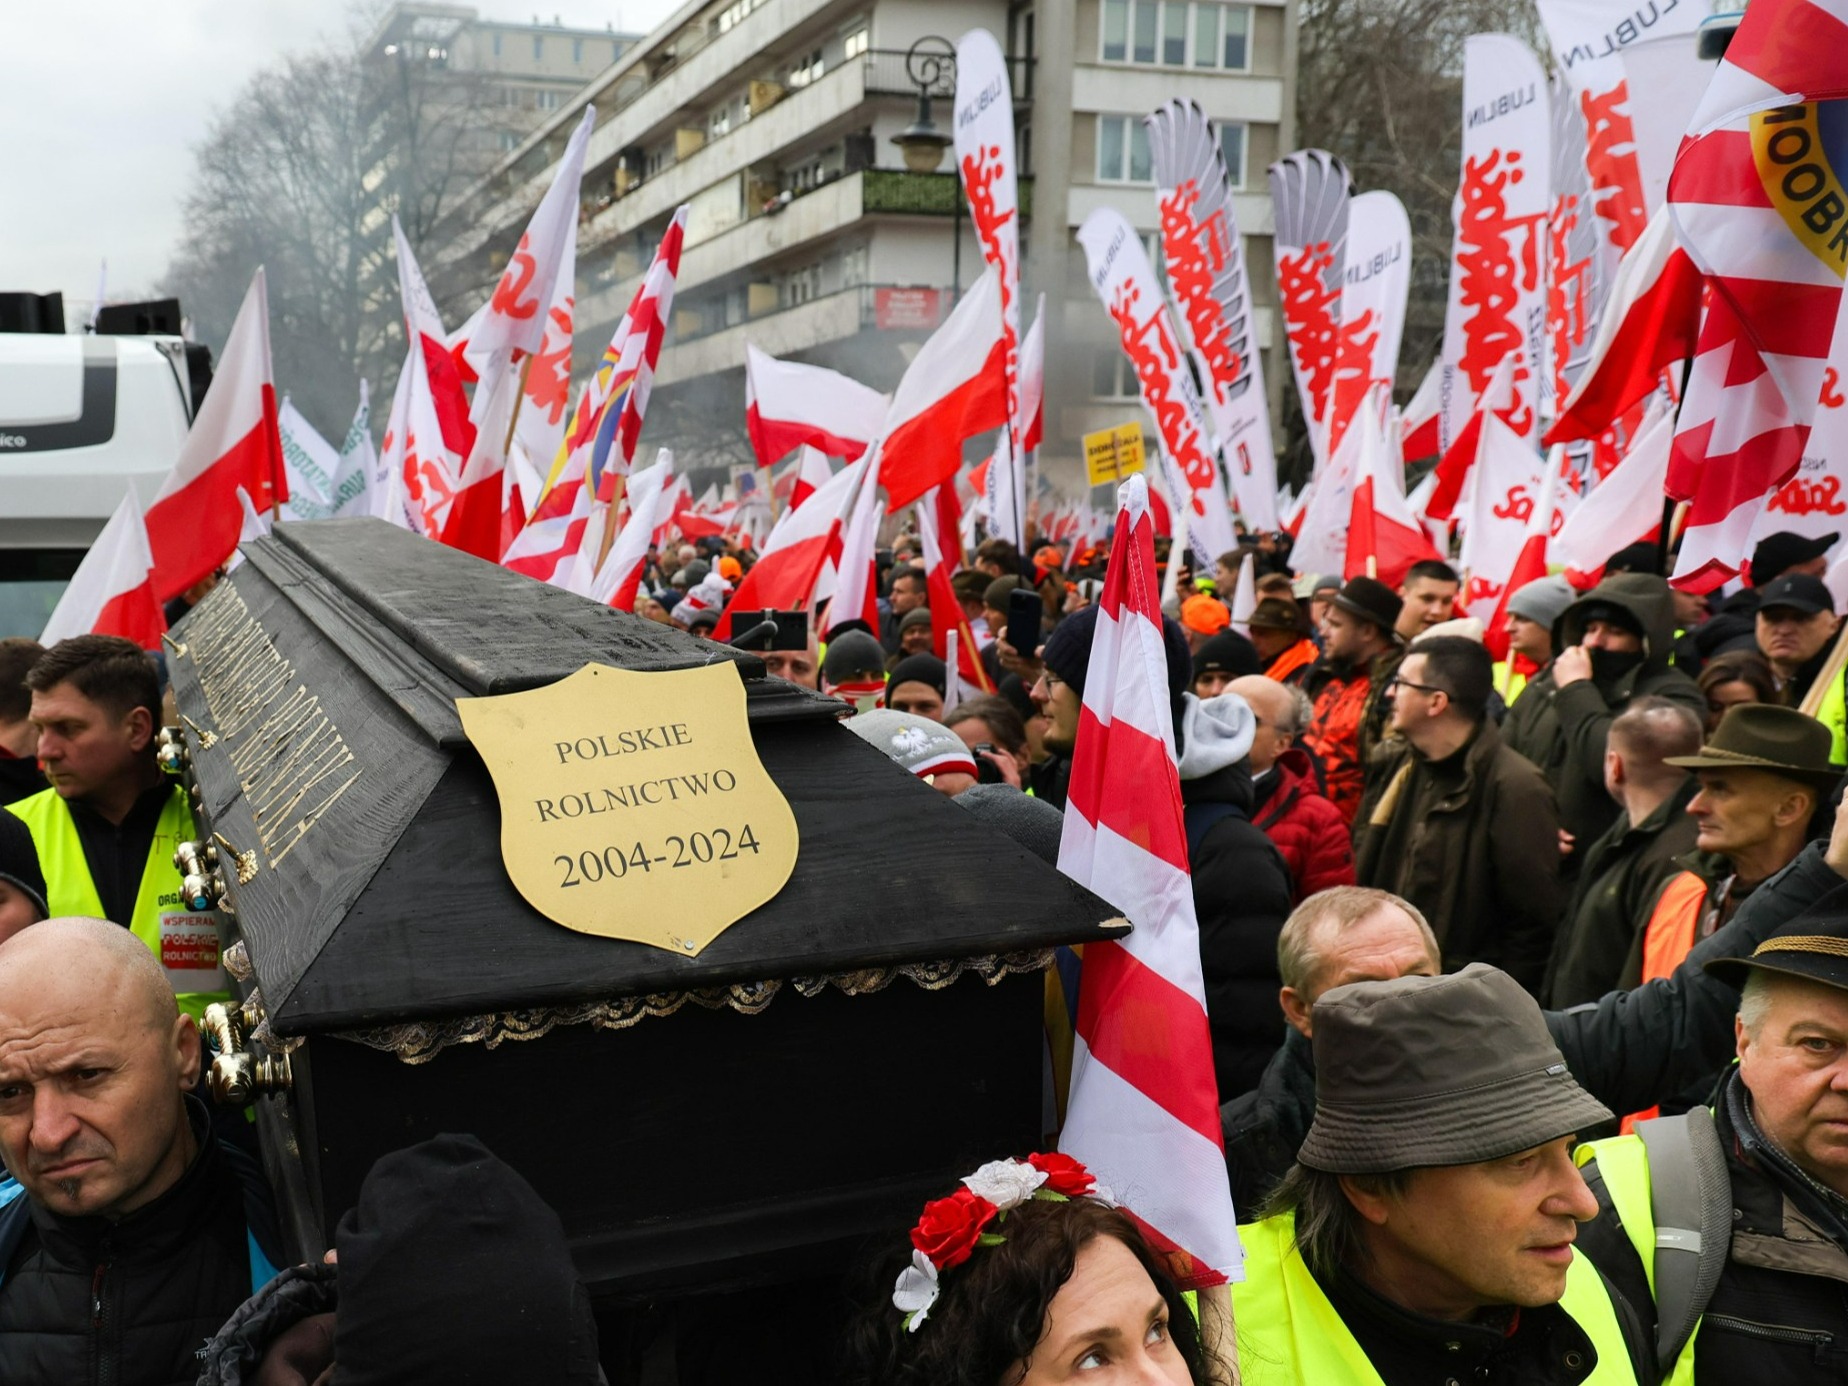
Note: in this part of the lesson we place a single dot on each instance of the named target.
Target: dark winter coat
(1307, 829)
(1631, 1050)
(1624, 872)
(130, 1301)
(1241, 892)
(1472, 841)
(1563, 730)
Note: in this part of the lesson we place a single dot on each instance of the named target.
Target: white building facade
(808, 237)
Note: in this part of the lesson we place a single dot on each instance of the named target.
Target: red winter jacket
(1306, 828)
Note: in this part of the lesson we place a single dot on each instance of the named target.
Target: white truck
(82, 418)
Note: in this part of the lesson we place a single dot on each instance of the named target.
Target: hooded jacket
(1241, 890)
(1563, 730)
(1473, 841)
(1306, 828)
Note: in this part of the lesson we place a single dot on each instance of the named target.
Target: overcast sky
(103, 102)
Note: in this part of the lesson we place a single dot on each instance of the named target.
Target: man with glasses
(1457, 823)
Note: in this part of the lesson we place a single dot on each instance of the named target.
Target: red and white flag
(856, 589)
(1453, 469)
(112, 591)
(939, 536)
(788, 404)
(1310, 196)
(192, 526)
(1648, 324)
(1530, 564)
(798, 551)
(512, 329)
(1033, 380)
(1814, 502)
(428, 435)
(1144, 1106)
(1508, 476)
(545, 390)
(984, 136)
(953, 389)
(1419, 422)
(621, 571)
(1125, 282)
(810, 473)
(1384, 537)
(1622, 509)
(1206, 267)
(1758, 198)
(1497, 299)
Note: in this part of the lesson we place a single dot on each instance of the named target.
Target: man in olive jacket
(1615, 646)
(1460, 825)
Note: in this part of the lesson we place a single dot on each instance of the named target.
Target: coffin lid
(317, 683)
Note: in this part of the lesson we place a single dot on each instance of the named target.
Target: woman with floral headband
(1026, 1274)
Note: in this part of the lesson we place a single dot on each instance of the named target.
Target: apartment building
(809, 236)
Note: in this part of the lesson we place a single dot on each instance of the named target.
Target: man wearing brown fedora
(1357, 639)
(1762, 776)
(1426, 1232)
(1727, 1229)
(1280, 632)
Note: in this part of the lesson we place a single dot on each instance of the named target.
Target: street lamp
(927, 62)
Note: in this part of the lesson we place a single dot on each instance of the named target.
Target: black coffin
(739, 1118)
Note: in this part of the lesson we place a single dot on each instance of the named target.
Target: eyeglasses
(1395, 683)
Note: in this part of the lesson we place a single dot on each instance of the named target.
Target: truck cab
(82, 418)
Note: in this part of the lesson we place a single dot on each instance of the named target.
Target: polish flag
(1649, 324)
(512, 329)
(621, 571)
(1033, 381)
(112, 592)
(427, 444)
(811, 473)
(788, 404)
(788, 570)
(954, 389)
(255, 525)
(1624, 508)
(856, 590)
(192, 526)
(1422, 414)
(940, 513)
(1509, 478)
(1530, 562)
(1144, 1108)
(1453, 469)
(1384, 537)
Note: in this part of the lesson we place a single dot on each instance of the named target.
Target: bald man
(128, 1234)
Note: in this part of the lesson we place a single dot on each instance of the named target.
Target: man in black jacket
(130, 1232)
(1631, 1050)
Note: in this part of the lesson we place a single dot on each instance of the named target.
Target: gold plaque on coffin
(633, 805)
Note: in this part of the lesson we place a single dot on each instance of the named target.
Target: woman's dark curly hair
(991, 1312)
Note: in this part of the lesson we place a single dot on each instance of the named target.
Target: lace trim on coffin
(420, 1041)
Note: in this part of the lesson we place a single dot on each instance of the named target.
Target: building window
(538, 47)
(509, 141)
(1113, 377)
(1233, 135)
(734, 13)
(806, 69)
(577, 50)
(497, 39)
(1177, 33)
(1123, 150)
(547, 100)
(801, 286)
(857, 43)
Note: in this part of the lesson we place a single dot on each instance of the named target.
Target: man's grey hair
(1313, 925)
(1328, 1225)
(1302, 712)
(1754, 1000)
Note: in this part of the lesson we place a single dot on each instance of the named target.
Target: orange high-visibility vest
(1299, 656)
(1667, 939)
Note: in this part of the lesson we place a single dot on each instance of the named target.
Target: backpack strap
(1202, 818)
(1690, 1194)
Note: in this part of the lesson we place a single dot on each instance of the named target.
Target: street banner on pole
(1310, 207)
(1376, 284)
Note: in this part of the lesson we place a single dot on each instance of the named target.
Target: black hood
(1650, 603)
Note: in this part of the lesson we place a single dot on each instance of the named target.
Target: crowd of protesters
(1527, 982)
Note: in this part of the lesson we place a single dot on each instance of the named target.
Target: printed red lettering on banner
(1516, 505)
(1799, 497)
(981, 169)
(548, 380)
(1610, 159)
(1198, 254)
(1567, 291)
(1353, 375)
(1831, 389)
(509, 294)
(1309, 311)
(1480, 589)
(1491, 281)
(192, 952)
(1166, 389)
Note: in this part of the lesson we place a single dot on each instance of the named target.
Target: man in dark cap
(1426, 1231)
(1796, 628)
(1616, 642)
(1357, 638)
(1281, 634)
(1227, 656)
(1762, 775)
(1782, 554)
(917, 686)
(1728, 1230)
(854, 669)
(914, 632)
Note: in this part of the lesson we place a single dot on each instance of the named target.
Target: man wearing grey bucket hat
(1426, 1232)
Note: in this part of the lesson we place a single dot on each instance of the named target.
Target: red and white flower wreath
(950, 1229)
